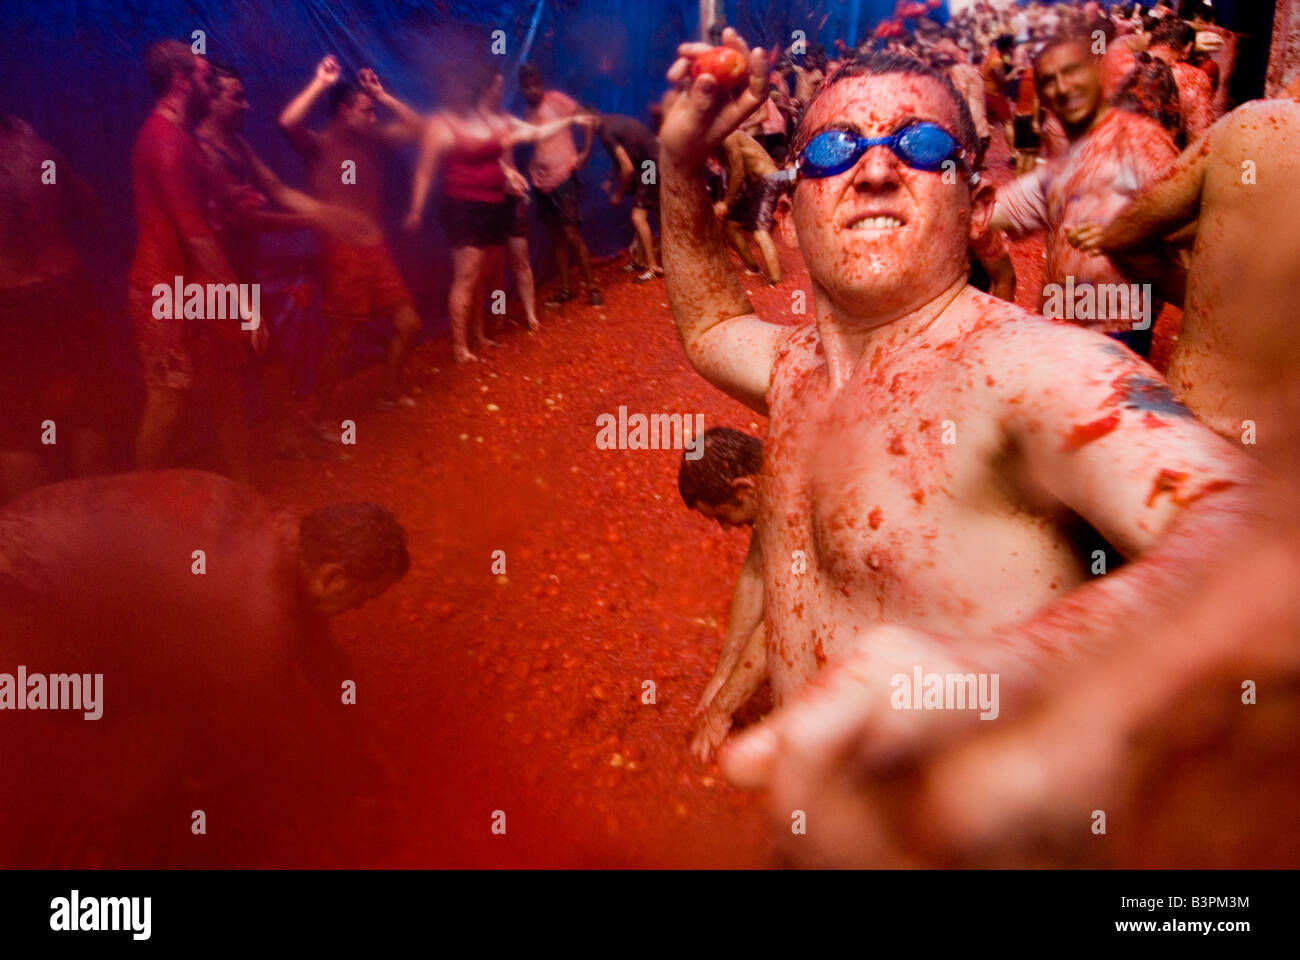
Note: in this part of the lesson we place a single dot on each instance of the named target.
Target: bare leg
(560, 244)
(162, 411)
(741, 245)
(467, 264)
(770, 258)
(327, 375)
(574, 236)
(490, 266)
(646, 240)
(19, 472)
(406, 323)
(517, 253)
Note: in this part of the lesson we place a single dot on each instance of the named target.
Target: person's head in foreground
(887, 196)
(348, 554)
(723, 483)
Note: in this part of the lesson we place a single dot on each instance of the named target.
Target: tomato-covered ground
(523, 692)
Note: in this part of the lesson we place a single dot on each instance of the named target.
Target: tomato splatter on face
(896, 445)
(874, 518)
(1085, 433)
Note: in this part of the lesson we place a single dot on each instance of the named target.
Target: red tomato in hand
(725, 65)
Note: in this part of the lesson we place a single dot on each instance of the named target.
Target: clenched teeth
(877, 223)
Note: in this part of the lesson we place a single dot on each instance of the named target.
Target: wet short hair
(1150, 90)
(342, 94)
(728, 454)
(879, 64)
(1172, 32)
(164, 59)
(362, 538)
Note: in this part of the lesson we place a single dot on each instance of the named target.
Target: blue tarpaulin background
(72, 69)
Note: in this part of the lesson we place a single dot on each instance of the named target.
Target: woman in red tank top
(472, 141)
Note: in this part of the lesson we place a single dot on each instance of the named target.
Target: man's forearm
(401, 111)
(296, 112)
(745, 677)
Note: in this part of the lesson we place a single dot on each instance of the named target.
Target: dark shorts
(517, 217)
(561, 207)
(755, 205)
(1026, 138)
(646, 196)
(361, 281)
(474, 223)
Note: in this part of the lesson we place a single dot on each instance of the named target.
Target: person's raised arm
(735, 174)
(408, 124)
(293, 116)
(1167, 204)
(437, 139)
(724, 341)
(746, 614)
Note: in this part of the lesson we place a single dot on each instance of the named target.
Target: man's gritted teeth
(874, 220)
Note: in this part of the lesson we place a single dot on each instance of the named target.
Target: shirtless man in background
(723, 486)
(172, 189)
(345, 168)
(1237, 184)
(749, 203)
(920, 550)
(1112, 154)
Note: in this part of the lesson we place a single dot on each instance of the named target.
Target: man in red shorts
(345, 168)
(175, 239)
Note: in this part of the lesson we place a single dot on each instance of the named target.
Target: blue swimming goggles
(922, 146)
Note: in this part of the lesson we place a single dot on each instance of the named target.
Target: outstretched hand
(699, 115)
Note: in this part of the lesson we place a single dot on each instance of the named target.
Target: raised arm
(294, 115)
(408, 124)
(724, 340)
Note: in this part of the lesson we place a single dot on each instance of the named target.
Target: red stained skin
(874, 518)
(1085, 433)
(1167, 481)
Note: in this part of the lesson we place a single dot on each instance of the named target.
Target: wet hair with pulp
(364, 539)
(728, 454)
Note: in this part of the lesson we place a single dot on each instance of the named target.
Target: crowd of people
(942, 469)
